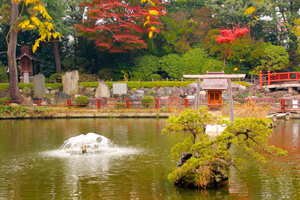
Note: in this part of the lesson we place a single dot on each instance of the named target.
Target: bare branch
(1, 52)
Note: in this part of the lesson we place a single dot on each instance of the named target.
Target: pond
(33, 167)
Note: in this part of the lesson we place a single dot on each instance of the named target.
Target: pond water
(136, 167)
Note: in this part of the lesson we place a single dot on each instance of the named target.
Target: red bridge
(275, 77)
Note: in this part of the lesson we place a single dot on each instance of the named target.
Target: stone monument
(26, 77)
(39, 85)
(70, 82)
(102, 91)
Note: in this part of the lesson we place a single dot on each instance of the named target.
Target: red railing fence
(275, 77)
(276, 104)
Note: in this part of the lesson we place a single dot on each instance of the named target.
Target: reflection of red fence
(276, 105)
(274, 77)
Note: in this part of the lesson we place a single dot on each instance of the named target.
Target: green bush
(155, 77)
(144, 66)
(82, 100)
(147, 101)
(55, 78)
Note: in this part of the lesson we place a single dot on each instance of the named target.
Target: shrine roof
(26, 52)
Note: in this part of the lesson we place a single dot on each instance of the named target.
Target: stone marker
(39, 85)
(102, 91)
(119, 88)
(70, 82)
(26, 77)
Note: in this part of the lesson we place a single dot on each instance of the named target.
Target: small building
(214, 88)
(26, 61)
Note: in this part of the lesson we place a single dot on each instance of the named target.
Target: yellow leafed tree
(45, 29)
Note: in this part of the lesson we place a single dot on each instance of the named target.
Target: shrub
(82, 100)
(55, 78)
(147, 101)
(155, 77)
(144, 66)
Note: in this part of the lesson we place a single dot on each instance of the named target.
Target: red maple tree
(228, 36)
(118, 25)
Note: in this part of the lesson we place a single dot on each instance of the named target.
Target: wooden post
(282, 105)
(69, 103)
(99, 103)
(269, 78)
(7, 102)
(39, 102)
(186, 103)
(197, 95)
(230, 100)
(128, 103)
(260, 78)
(156, 103)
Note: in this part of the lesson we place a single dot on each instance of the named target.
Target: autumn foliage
(228, 36)
(118, 26)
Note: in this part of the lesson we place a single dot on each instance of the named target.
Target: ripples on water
(136, 167)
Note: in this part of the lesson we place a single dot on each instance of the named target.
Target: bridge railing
(274, 77)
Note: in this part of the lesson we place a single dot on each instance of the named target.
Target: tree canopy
(208, 158)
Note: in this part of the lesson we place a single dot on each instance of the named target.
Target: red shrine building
(214, 88)
(26, 61)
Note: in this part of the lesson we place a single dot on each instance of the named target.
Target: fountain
(89, 143)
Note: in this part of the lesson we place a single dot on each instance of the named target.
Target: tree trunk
(11, 55)
(56, 56)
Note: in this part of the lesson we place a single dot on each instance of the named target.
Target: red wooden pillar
(156, 103)
(128, 103)
(186, 103)
(269, 78)
(297, 75)
(98, 103)
(7, 103)
(69, 103)
(39, 102)
(260, 78)
(282, 105)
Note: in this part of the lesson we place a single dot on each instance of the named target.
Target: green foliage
(3, 74)
(119, 105)
(105, 74)
(155, 77)
(275, 58)
(14, 111)
(144, 66)
(192, 62)
(147, 101)
(3, 100)
(88, 77)
(82, 100)
(55, 78)
(250, 135)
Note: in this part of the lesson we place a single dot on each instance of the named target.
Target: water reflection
(136, 168)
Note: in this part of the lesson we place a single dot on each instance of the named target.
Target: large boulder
(102, 91)
(70, 82)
